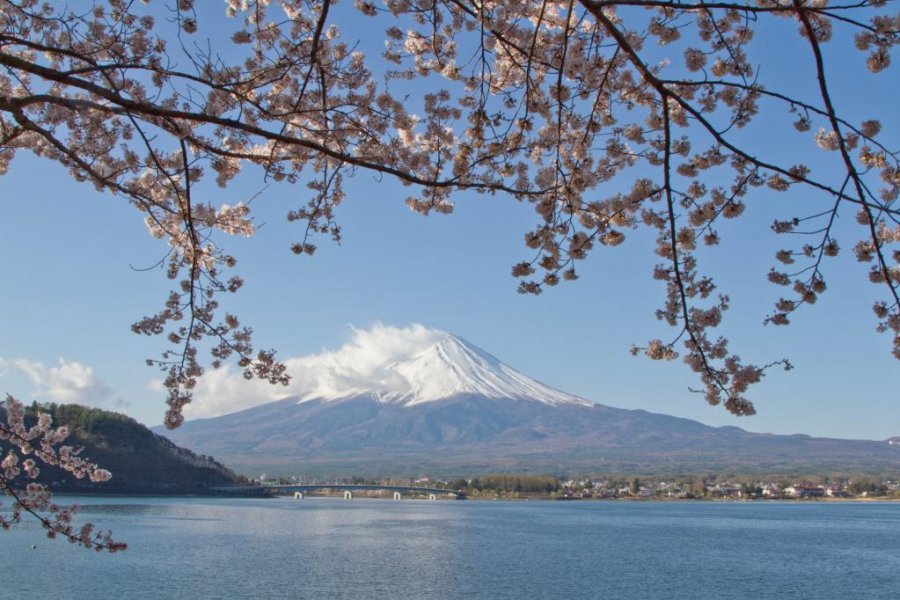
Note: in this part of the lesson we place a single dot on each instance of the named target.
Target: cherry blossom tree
(20, 445)
(606, 116)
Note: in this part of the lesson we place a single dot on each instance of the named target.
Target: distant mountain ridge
(451, 408)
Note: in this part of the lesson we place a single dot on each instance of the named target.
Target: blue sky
(69, 254)
(71, 261)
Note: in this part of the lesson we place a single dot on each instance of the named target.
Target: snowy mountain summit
(411, 400)
(419, 365)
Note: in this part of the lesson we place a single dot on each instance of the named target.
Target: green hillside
(140, 460)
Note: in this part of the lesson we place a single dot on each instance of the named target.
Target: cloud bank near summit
(359, 365)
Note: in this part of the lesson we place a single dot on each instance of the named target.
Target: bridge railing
(302, 488)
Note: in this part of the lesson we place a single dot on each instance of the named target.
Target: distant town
(514, 486)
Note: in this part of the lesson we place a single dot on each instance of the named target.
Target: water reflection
(208, 548)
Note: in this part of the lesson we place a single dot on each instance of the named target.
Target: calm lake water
(332, 548)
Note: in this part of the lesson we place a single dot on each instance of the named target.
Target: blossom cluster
(20, 445)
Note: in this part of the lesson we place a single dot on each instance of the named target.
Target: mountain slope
(140, 460)
(448, 407)
(470, 434)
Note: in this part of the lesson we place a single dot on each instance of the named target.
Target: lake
(371, 548)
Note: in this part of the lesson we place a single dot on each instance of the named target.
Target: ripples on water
(331, 548)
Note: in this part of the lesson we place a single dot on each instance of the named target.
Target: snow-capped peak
(452, 366)
(418, 365)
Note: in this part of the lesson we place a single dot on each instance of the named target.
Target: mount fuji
(447, 368)
(411, 401)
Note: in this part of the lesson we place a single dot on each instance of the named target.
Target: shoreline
(492, 499)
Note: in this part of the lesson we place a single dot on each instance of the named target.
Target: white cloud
(69, 382)
(362, 362)
(223, 391)
(355, 367)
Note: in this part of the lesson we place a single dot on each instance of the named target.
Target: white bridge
(301, 490)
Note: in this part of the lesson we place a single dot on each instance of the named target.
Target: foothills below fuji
(442, 406)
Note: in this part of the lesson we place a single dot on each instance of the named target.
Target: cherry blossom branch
(18, 444)
(549, 101)
(890, 277)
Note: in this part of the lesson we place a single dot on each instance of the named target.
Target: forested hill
(140, 460)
